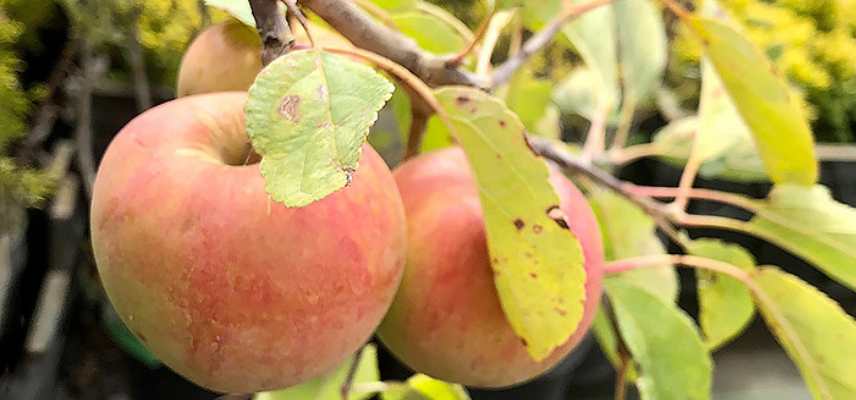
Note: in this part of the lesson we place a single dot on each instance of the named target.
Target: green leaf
(327, 387)
(240, 9)
(423, 387)
(810, 224)
(396, 5)
(642, 46)
(430, 32)
(725, 304)
(577, 93)
(308, 115)
(738, 162)
(528, 97)
(597, 47)
(627, 232)
(550, 124)
(816, 333)
(537, 261)
(672, 360)
(763, 99)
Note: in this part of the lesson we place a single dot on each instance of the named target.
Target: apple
(224, 57)
(227, 56)
(446, 320)
(228, 288)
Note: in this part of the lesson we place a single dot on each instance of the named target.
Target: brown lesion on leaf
(462, 99)
(561, 311)
(519, 224)
(537, 228)
(523, 341)
(558, 216)
(533, 275)
(502, 123)
(290, 108)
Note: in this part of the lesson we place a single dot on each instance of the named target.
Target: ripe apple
(227, 56)
(224, 57)
(446, 320)
(230, 289)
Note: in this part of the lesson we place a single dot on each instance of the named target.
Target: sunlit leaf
(430, 32)
(328, 387)
(627, 232)
(576, 93)
(642, 46)
(308, 115)
(550, 124)
(240, 9)
(816, 333)
(725, 304)
(811, 224)
(423, 387)
(537, 261)
(672, 361)
(763, 99)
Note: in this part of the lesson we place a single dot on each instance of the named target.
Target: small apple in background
(227, 57)
(224, 57)
(228, 288)
(446, 320)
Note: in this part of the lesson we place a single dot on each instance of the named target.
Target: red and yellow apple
(230, 289)
(446, 320)
(227, 56)
(224, 57)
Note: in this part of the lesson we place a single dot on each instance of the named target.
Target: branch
(93, 67)
(142, 89)
(459, 58)
(660, 214)
(273, 29)
(365, 33)
(539, 40)
(345, 390)
(418, 123)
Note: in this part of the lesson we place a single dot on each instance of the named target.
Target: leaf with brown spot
(308, 115)
(513, 184)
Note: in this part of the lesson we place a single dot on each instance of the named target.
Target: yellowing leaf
(328, 386)
(672, 361)
(771, 112)
(424, 387)
(537, 261)
(810, 224)
(308, 115)
(725, 304)
(816, 333)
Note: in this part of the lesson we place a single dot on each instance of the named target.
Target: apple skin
(228, 288)
(224, 57)
(446, 320)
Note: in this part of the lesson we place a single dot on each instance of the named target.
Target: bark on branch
(358, 27)
(273, 29)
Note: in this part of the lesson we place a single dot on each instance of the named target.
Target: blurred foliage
(813, 42)
(18, 185)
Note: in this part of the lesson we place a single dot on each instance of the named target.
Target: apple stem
(345, 389)
(295, 10)
(273, 29)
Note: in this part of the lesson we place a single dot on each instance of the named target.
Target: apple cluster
(241, 294)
